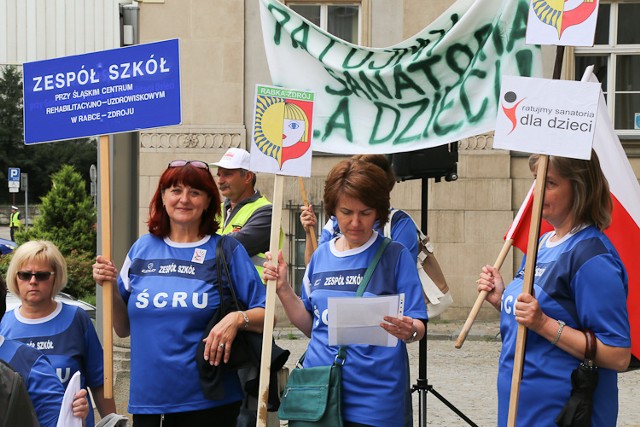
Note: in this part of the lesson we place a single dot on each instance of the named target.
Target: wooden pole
(105, 250)
(269, 315)
(314, 241)
(481, 296)
(530, 266)
(527, 286)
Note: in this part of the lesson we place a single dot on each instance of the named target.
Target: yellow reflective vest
(240, 219)
(14, 220)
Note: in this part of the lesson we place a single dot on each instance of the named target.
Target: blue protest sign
(112, 91)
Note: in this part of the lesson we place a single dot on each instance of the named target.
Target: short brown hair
(383, 163)
(592, 202)
(200, 179)
(40, 251)
(361, 180)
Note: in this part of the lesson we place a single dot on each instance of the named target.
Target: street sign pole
(24, 184)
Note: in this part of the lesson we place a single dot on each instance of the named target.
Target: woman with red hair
(168, 291)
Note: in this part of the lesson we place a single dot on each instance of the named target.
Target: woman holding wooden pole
(166, 295)
(580, 283)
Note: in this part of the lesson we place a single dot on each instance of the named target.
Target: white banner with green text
(439, 86)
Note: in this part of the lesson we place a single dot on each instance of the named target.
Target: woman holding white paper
(356, 193)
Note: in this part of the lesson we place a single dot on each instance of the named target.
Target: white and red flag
(624, 231)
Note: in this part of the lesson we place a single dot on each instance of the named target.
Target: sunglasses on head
(195, 163)
(40, 276)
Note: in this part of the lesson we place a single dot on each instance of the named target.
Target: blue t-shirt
(44, 387)
(68, 339)
(171, 293)
(403, 230)
(582, 281)
(371, 374)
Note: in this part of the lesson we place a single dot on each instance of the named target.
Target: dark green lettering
(524, 59)
(376, 124)
(284, 18)
(397, 53)
(339, 120)
(372, 87)
(442, 107)
(451, 57)
(519, 24)
(425, 66)
(339, 92)
(302, 40)
(403, 81)
(464, 98)
(422, 105)
(352, 52)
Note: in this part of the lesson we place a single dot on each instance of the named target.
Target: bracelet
(246, 319)
(561, 326)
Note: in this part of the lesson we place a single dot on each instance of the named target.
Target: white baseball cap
(234, 158)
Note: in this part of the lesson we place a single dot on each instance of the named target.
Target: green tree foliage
(67, 218)
(37, 160)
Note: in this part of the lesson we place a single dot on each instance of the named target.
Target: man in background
(14, 222)
(246, 214)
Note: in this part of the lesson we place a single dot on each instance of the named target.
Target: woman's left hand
(218, 343)
(400, 327)
(528, 312)
(80, 405)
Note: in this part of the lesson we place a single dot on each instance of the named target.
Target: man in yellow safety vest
(246, 214)
(14, 221)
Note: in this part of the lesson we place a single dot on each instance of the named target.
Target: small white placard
(356, 320)
(562, 23)
(554, 117)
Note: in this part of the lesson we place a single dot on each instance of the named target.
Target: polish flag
(624, 231)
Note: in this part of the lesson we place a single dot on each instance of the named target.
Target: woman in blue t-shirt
(168, 293)
(580, 283)
(357, 194)
(62, 332)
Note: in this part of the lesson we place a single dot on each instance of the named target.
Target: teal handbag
(313, 396)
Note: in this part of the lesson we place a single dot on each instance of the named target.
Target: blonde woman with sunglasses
(166, 294)
(62, 332)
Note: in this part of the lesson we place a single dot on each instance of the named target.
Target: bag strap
(221, 265)
(590, 348)
(387, 226)
(372, 266)
(342, 351)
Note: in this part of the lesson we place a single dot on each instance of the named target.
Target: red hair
(200, 179)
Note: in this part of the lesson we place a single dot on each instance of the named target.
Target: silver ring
(221, 345)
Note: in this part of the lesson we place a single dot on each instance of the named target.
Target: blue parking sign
(14, 174)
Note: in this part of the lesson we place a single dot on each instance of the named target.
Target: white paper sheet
(356, 320)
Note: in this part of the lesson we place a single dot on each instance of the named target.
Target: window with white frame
(616, 56)
(343, 19)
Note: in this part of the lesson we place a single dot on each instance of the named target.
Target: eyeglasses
(195, 163)
(40, 276)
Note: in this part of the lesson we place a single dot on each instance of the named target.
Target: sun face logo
(555, 13)
(510, 112)
(281, 128)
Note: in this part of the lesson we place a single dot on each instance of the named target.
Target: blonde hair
(592, 202)
(39, 251)
(294, 112)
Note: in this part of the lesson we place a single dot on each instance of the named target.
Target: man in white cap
(246, 214)
(14, 221)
